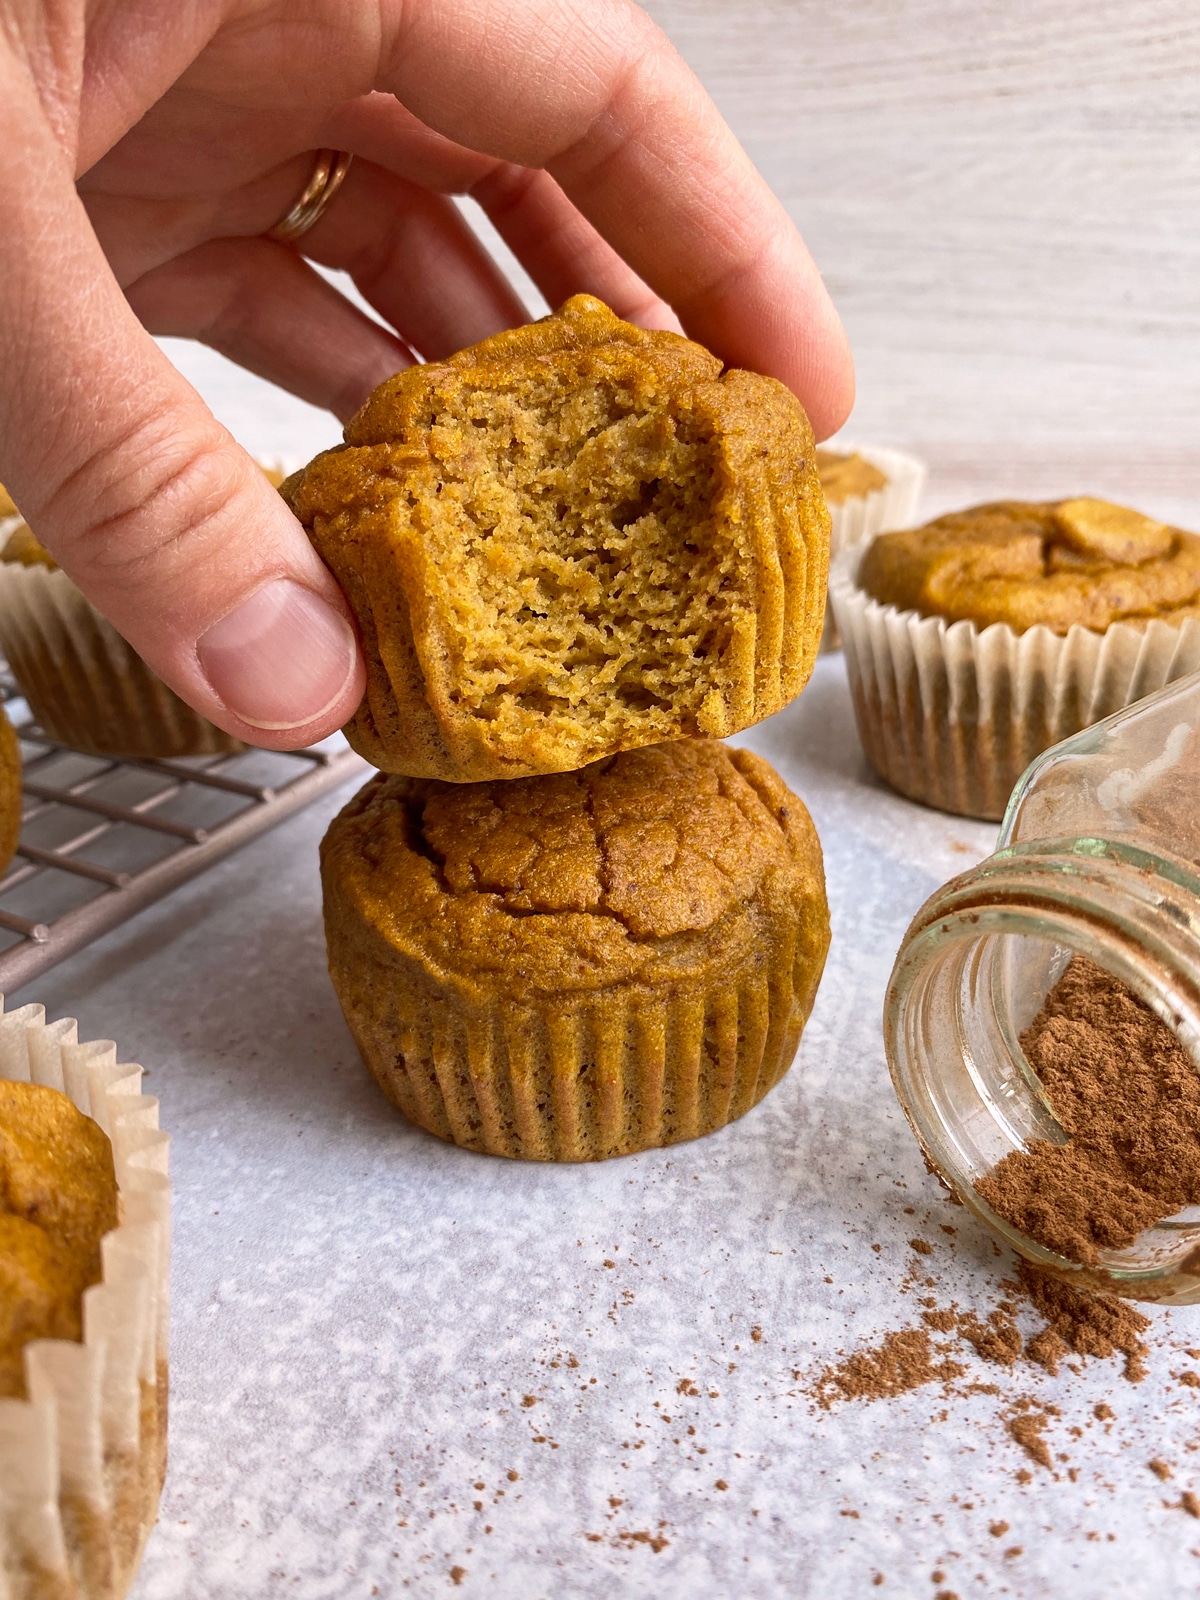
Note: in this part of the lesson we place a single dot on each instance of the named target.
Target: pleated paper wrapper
(862, 516)
(82, 1459)
(589, 1079)
(951, 714)
(85, 686)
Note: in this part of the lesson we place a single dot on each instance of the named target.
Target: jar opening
(970, 979)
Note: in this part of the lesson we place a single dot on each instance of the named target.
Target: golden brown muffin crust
(1059, 563)
(638, 868)
(846, 476)
(578, 966)
(573, 538)
(8, 506)
(58, 1197)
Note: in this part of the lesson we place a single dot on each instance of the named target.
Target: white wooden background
(1004, 197)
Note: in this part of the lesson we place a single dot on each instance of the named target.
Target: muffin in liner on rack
(578, 966)
(11, 797)
(976, 642)
(83, 1321)
(86, 687)
(574, 538)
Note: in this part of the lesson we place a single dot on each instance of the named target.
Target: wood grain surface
(1004, 197)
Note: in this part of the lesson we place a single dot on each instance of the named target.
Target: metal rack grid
(102, 838)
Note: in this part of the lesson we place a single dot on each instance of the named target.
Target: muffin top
(652, 864)
(8, 506)
(1054, 563)
(58, 1197)
(575, 537)
(845, 477)
(23, 548)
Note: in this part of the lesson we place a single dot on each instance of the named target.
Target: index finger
(594, 92)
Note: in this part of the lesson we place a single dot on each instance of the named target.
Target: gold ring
(328, 171)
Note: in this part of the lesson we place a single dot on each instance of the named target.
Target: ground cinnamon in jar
(1128, 1095)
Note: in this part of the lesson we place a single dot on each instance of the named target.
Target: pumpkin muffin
(976, 642)
(86, 687)
(582, 965)
(847, 476)
(58, 1191)
(11, 799)
(574, 538)
(867, 489)
(1063, 564)
(84, 1225)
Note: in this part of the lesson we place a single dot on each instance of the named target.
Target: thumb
(141, 496)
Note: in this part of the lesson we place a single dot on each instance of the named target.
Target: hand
(191, 130)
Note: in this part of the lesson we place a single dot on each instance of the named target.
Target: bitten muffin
(574, 538)
(86, 687)
(578, 966)
(980, 640)
(58, 1197)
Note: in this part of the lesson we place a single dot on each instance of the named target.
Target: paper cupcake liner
(82, 1459)
(862, 516)
(586, 1079)
(951, 714)
(86, 687)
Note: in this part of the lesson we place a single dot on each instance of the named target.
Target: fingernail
(281, 659)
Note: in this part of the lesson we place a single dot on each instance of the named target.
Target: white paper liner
(82, 1459)
(84, 684)
(862, 516)
(951, 714)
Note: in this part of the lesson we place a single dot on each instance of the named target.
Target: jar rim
(1137, 915)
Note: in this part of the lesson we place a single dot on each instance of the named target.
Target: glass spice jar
(1099, 854)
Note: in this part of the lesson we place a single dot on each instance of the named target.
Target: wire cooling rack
(101, 839)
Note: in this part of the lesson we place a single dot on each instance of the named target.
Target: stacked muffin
(571, 923)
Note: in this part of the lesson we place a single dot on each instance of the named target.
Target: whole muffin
(845, 475)
(578, 966)
(1061, 564)
(85, 1207)
(574, 538)
(86, 687)
(11, 799)
(980, 640)
(59, 1198)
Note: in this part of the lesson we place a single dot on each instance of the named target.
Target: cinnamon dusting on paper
(902, 1361)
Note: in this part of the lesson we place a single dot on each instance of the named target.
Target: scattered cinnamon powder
(1160, 1469)
(1128, 1095)
(1088, 1324)
(1026, 1426)
(903, 1361)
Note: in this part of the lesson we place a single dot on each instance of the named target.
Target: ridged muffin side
(574, 538)
(583, 965)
